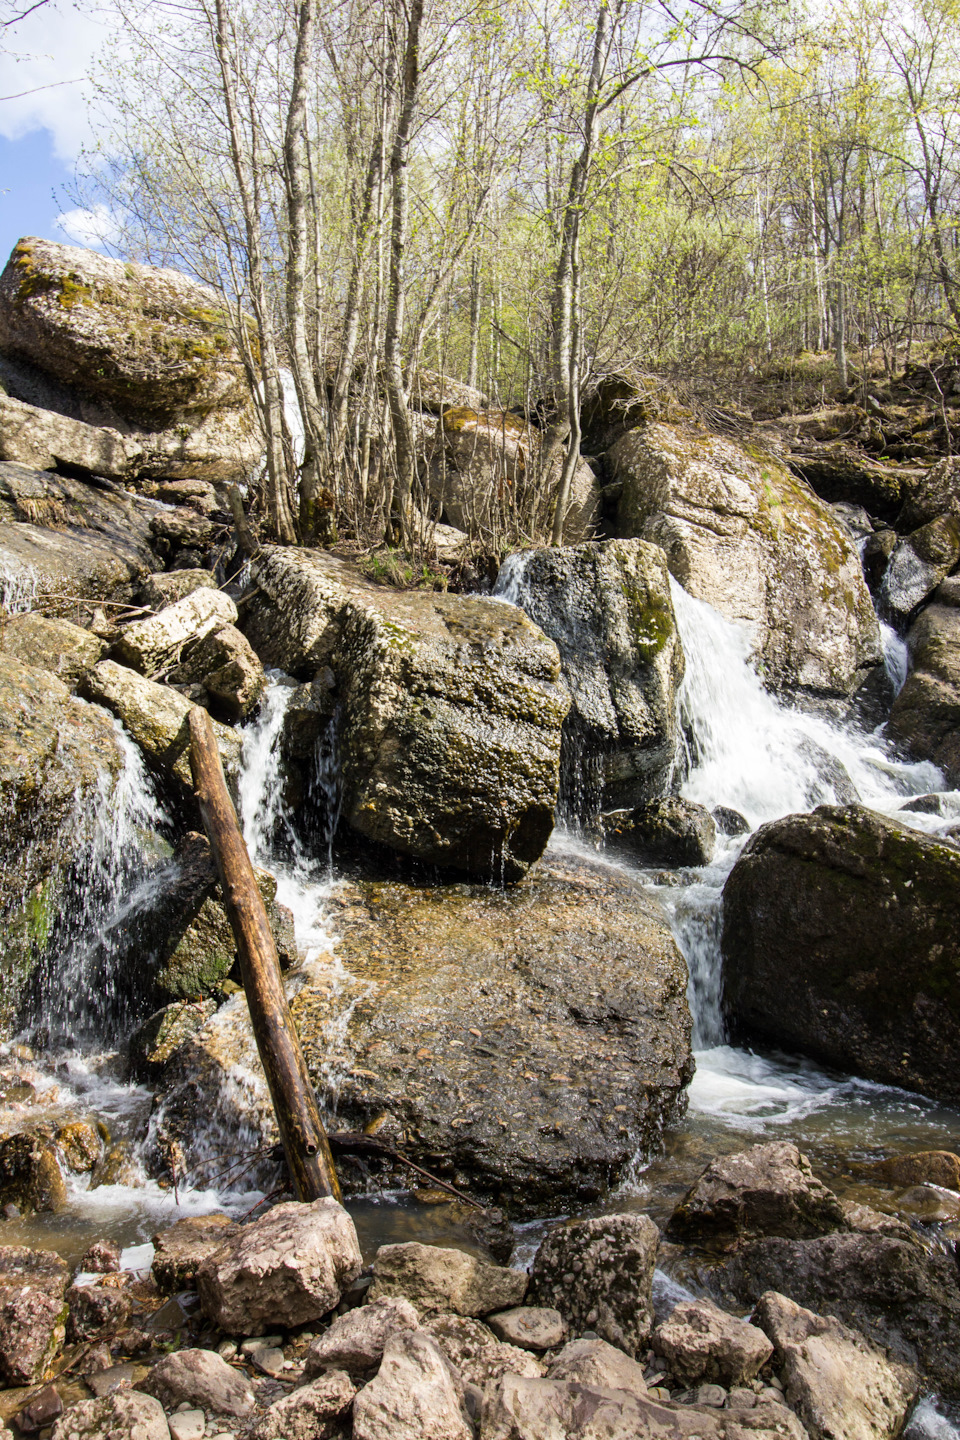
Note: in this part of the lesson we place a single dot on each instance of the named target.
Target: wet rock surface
(745, 535)
(808, 966)
(608, 608)
(451, 709)
(925, 717)
(669, 831)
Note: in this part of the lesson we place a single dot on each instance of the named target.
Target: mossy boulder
(450, 709)
(607, 606)
(154, 344)
(65, 649)
(754, 541)
(841, 939)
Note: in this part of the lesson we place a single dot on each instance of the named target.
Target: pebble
(187, 1424)
(260, 1342)
(740, 1398)
(659, 1392)
(269, 1360)
(769, 1395)
(227, 1349)
(713, 1395)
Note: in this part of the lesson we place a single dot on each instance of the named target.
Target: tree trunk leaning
(304, 1139)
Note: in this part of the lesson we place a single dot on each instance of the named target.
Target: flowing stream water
(742, 748)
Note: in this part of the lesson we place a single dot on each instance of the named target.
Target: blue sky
(44, 123)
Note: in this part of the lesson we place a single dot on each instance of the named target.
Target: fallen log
(305, 1144)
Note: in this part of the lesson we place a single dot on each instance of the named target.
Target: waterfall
(80, 990)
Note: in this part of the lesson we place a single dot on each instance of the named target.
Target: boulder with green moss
(607, 606)
(754, 541)
(59, 761)
(451, 708)
(841, 940)
(149, 353)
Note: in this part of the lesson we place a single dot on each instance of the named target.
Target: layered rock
(146, 351)
(62, 540)
(451, 709)
(925, 718)
(840, 940)
(44, 440)
(755, 542)
(488, 1026)
(608, 608)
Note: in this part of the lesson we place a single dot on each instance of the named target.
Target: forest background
(526, 197)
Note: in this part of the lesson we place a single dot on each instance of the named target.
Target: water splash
(19, 586)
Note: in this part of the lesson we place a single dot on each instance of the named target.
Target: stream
(743, 749)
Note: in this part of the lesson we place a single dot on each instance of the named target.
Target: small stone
(187, 1424)
(203, 1379)
(269, 1360)
(599, 1274)
(532, 1327)
(42, 1410)
(769, 1396)
(739, 1398)
(599, 1365)
(113, 1377)
(102, 1257)
(125, 1415)
(227, 1349)
(311, 1412)
(260, 1342)
(713, 1396)
(699, 1341)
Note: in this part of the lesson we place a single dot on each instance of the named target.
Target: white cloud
(93, 228)
(43, 75)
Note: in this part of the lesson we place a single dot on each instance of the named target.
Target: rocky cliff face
(742, 533)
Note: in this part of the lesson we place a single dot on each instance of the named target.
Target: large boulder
(839, 471)
(925, 717)
(159, 641)
(122, 1415)
(918, 563)
(841, 939)
(474, 1037)
(354, 1342)
(767, 1190)
(64, 541)
(288, 1267)
(902, 1297)
(607, 606)
(415, 1395)
(201, 1378)
(937, 492)
(42, 440)
(451, 709)
(489, 464)
(745, 535)
(437, 1280)
(65, 649)
(153, 344)
(59, 763)
(841, 1386)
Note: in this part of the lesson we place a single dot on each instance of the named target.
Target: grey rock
(311, 1412)
(124, 1415)
(156, 718)
(442, 696)
(437, 1280)
(475, 1351)
(669, 831)
(289, 1267)
(434, 392)
(701, 1342)
(918, 564)
(227, 666)
(531, 1327)
(62, 540)
(936, 493)
(925, 717)
(948, 592)
(173, 585)
(745, 535)
(179, 1252)
(808, 964)
(201, 1378)
(65, 649)
(413, 1396)
(766, 1190)
(33, 1312)
(608, 608)
(354, 1342)
(158, 642)
(841, 1386)
(42, 440)
(599, 1365)
(599, 1274)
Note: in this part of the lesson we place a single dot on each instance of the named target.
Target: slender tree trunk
(474, 320)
